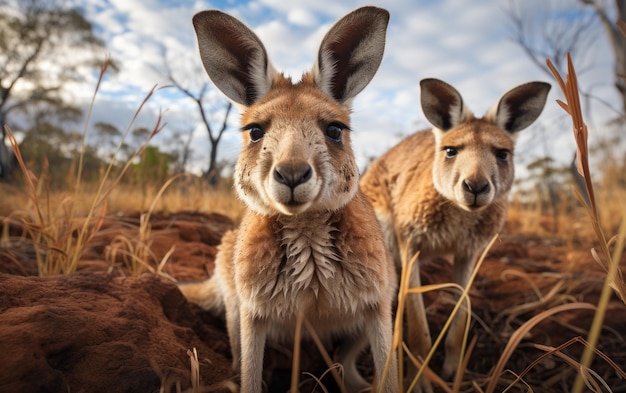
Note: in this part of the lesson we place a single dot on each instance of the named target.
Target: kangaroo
(309, 242)
(444, 192)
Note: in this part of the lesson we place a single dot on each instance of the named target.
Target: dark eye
(450, 152)
(502, 154)
(334, 130)
(256, 132)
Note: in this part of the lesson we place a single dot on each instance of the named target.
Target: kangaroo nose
(293, 174)
(476, 187)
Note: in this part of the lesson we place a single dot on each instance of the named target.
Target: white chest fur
(312, 275)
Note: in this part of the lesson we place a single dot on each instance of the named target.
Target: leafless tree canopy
(203, 101)
(554, 28)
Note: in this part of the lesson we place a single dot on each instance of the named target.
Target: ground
(103, 330)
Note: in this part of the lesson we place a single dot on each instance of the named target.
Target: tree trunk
(618, 43)
(6, 155)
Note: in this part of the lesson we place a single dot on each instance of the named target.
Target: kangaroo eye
(256, 132)
(450, 152)
(334, 130)
(502, 154)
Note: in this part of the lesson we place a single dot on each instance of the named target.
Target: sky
(468, 44)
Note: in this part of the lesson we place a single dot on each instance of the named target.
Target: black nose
(476, 187)
(293, 174)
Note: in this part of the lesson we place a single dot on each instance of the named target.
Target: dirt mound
(96, 333)
(100, 330)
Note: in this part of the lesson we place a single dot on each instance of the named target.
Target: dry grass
(186, 193)
(610, 261)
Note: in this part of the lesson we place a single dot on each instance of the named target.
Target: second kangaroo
(309, 243)
(444, 192)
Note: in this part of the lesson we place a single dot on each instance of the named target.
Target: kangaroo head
(473, 162)
(296, 153)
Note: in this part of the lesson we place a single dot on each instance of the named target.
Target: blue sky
(466, 43)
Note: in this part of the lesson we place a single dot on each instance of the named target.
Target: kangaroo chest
(300, 267)
(439, 227)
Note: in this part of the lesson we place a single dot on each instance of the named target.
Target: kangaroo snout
(476, 187)
(476, 193)
(293, 185)
(292, 174)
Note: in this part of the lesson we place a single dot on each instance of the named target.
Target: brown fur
(309, 243)
(424, 201)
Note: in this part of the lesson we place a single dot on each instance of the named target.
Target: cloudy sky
(469, 44)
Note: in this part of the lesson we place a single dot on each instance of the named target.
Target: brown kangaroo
(443, 192)
(309, 243)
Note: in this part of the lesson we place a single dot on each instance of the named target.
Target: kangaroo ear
(233, 57)
(442, 104)
(519, 107)
(351, 53)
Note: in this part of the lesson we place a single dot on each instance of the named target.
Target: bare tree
(558, 27)
(617, 40)
(551, 30)
(201, 97)
(182, 153)
(555, 28)
(36, 38)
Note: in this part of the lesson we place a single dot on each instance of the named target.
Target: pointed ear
(233, 57)
(351, 53)
(442, 104)
(519, 107)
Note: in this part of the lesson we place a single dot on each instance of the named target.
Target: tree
(556, 28)
(153, 166)
(551, 31)
(52, 153)
(201, 98)
(43, 47)
(617, 39)
(106, 138)
(181, 153)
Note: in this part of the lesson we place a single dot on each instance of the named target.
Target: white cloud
(301, 17)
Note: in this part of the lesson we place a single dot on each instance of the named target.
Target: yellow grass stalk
(423, 364)
(521, 332)
(613, 280)
(464, 297)
(591, 378)
(329, 362)
(295, 367)
(403, 291)
(195, 370)
(196, 386)
(144, 242)
(557, 352)
(428, 373)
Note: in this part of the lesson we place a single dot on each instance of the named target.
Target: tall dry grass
(607, 258)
